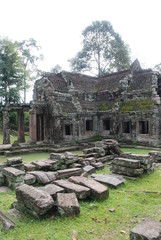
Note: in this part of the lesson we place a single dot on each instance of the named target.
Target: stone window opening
(126, 127)
(143, 127)
(89, 125)
(68, 129)
(106, 124)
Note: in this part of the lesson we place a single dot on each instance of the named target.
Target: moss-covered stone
(136, 105)
(103, 107)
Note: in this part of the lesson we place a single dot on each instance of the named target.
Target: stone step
(67, 204)
(52, 189)
(148, 230)
(33, 200)
(132, 172)
(98, 191)
(109, 179)
(80, 191)
(69, 172)
(131, 163)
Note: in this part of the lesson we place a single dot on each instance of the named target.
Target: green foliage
(11, 71)
(97, 138)
(103, 107)
(13, 121)
(103, 50)
(136, 105)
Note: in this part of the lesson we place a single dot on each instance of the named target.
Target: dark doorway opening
(89, 125)
(126, 127)
(106, 124)
(68, 129)
(143, 127)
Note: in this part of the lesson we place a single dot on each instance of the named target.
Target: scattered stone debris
(52, 189)
(147, 230)
(67, 204)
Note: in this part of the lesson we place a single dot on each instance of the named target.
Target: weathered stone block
(109, 180)
(80, 191)
(19, 166)
(69, 172)
(67, 204)
(130, 163)
(126, 171)
(89, 169)
(29, 179)
(98, 191)
(36, 201)
(54, 164)
(29, 167)
(3, 165)
(98, 165)
(12, 161)
(13, 174)
(147, 230)
(52, 189)
(44, 177)
(41, 165)
(58, 156)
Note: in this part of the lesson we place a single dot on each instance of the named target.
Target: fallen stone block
(89, 169)
(29, 167)
(130, 163)
(12, 161)
(109, 180)
(98, 165)
(41, 165)
(67, 204)
(106, 158)
(1, 179)
(126, 171)
(70, 158)
(14, 213)
(14, 174)
(3, 165)
(29, 179)
(80, 191)
(98, 191)
(147, 230)
(69, 172)
(54, 164)
(44, 177)
(52, 189)
(13, 177)
(34, 201)
(58, 156)
(19, 166)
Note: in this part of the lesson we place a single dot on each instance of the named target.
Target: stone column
(6, 127)
(33, 130)
(21, 126)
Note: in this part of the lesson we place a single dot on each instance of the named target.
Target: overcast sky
(57, 25)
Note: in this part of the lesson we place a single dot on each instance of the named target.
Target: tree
(103, 50)
(11, 71)
(29, 51)
(157, 67)
(56, 69)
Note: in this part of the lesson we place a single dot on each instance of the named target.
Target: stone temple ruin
(73, 107)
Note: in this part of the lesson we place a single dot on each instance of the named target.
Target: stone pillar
(6, 127)
(33, 131)
(21, 126)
